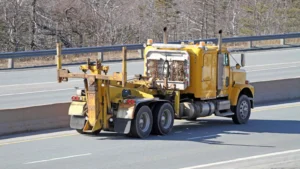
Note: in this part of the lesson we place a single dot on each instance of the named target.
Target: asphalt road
(22, 88)
(270, 139)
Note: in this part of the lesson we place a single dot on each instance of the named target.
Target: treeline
(39, 24)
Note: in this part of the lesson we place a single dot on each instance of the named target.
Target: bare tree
(38, 24)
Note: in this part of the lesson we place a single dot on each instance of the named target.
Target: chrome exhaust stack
(165, 35)
(220, 65)
(220, 41)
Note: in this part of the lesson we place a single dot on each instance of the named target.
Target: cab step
(225, 114)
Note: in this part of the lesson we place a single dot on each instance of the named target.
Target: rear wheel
(242, 110)
(163, 119)
(142, 123)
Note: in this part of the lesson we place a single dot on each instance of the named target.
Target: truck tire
(163, 119)
(141, 125)
(242, 110)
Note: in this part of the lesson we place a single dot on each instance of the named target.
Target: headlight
(166, 68)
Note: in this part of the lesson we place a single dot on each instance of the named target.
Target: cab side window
(226, 59)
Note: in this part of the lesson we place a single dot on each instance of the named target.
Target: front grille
(177, 69)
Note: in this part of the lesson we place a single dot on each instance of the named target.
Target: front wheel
(242, 110)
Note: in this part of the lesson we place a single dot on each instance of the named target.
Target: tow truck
(183, 81)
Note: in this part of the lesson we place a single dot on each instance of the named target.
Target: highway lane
(270, 73)
(14, 96)
(207, 142)
(41, 75)
(49, 74)
(31, 87)
(284, 159)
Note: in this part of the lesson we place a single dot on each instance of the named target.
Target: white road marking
(131, 76)
(60, 158)
(35, 69)
(272, 64)
(243, 159)
(257, 70)
(276, 163)
(43, 91)
(31, 84)
(195, 138)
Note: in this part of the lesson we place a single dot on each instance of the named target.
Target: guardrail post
(243, 59)
(101, 56)
(250, 44)
(124, 66)
(282, 41)
(141, 53)
(58, 58)
(10, 63)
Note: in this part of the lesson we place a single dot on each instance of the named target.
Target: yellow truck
(180, 81)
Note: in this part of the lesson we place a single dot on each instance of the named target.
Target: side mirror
(243, 60)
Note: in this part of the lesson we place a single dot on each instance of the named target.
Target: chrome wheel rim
(244, 109)
(144, 121)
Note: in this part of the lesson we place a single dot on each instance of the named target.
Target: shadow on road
(208, 130)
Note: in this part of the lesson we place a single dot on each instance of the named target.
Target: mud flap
(77, 108)
(122, 125)
(77, 122)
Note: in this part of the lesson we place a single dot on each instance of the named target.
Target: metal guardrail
(69, 51)
(66, 51)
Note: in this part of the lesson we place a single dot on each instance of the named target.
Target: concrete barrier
(55, 116)
(276, 90)
(35, 118)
